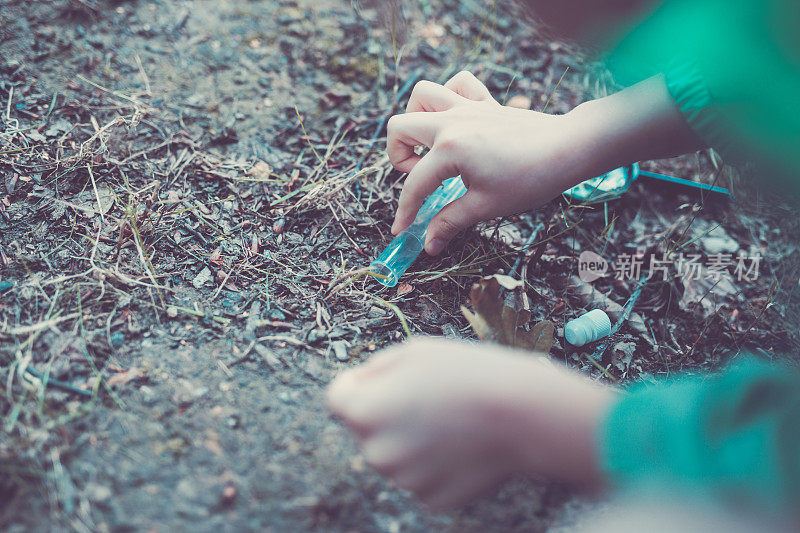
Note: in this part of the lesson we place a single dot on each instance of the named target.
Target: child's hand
(511, 160)
(449, 420)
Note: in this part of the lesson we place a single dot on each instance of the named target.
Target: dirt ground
(190, 192)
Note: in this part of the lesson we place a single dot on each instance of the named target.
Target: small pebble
(519, 101)
(98, 493)
(276, 314)
(228, 494)
(202, 278)
(340, 350)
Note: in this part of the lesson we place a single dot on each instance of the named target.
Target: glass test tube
(409, 243)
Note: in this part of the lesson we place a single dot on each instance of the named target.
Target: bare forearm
(639, 123)
(564, 447)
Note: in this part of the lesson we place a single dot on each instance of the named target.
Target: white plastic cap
(590, 327)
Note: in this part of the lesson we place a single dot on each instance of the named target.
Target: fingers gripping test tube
(409, 243)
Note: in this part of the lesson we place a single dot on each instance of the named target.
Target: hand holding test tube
(409, 243)
(407, 246)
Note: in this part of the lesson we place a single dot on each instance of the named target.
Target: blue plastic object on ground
(606, 187)
(409, 243)
(406, 247)
(613, 184)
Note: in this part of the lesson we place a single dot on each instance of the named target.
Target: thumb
(456, 216)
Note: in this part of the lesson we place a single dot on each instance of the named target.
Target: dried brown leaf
(404, 288)
(493, 320)
(540, 337)
(507, 282)
(479, 325)
(623, 354)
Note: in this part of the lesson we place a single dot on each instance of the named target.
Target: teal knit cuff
(645, 436)
(688, 87)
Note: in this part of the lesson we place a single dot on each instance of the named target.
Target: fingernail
(434, 246)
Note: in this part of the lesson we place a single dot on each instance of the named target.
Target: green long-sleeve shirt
(735, 435)
(733, 68)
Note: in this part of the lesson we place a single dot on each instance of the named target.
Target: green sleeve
(733, 68)
(734, 436)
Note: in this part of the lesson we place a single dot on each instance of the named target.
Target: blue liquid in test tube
(409, 243)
